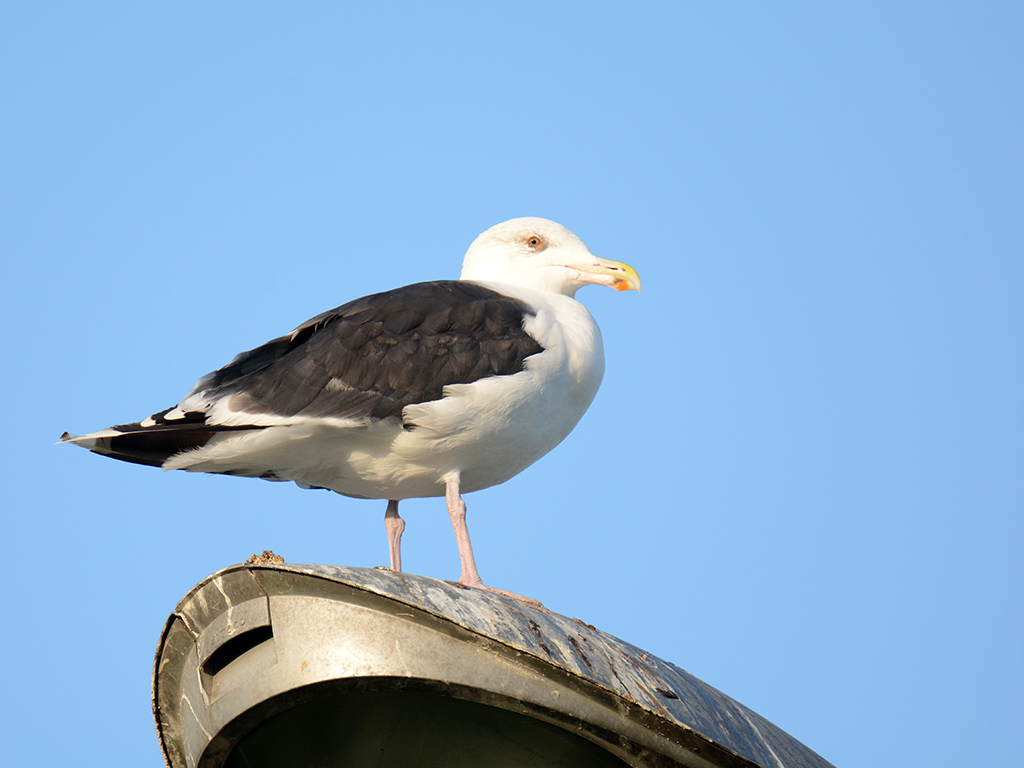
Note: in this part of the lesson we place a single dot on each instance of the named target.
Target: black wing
(375, 355)
(366, 359)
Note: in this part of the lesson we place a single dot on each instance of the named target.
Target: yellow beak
(615, 274)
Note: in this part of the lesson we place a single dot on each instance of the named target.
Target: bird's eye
(534, 242)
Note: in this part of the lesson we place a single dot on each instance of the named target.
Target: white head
(541, 254)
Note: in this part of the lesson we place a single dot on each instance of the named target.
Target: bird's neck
(545, 281)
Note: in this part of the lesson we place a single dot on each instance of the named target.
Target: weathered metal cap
(312, 665)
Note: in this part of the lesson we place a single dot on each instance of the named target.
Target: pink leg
(394, 525)
(457, 511)
(470, 577)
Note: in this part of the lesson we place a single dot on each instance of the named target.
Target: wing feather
(363, 361)
(373, 356)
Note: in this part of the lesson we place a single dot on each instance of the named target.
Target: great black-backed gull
(434, 389)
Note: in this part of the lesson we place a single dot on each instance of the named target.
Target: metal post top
(251, 641)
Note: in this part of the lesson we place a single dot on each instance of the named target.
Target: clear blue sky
(803, 478)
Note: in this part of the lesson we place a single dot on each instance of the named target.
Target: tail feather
(149, 445)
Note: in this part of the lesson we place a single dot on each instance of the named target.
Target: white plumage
(434, 389)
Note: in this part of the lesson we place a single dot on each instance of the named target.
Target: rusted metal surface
(253, 641)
